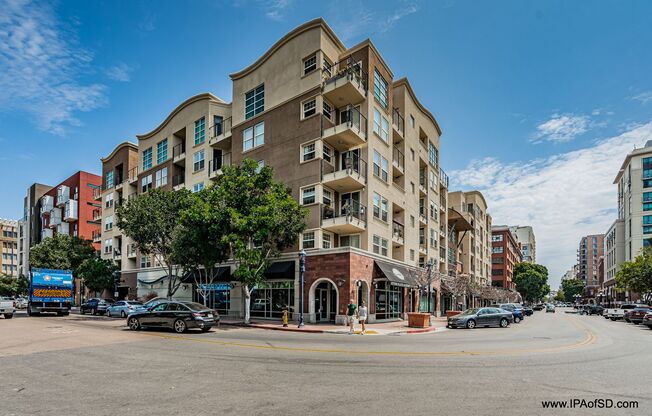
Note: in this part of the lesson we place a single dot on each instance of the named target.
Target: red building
(505, 253)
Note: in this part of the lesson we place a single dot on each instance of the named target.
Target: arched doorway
(324, 300)
(362, 294)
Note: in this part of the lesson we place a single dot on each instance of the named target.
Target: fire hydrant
(285, 318)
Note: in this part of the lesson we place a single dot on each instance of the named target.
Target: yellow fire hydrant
(285, 318)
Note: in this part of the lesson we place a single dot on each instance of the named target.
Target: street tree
(560, 297)
(151, 220)
(61, 252)
(531, 281)
(636, 275)
(200, 242)
(572, 288)
(263, 220)
(97, 274)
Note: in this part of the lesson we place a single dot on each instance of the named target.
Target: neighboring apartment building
(358, 150)
(591, 248)
(9, 248)
(31, 224)
(120, 183)
(475, 245)
(505, 254)
(525, 236)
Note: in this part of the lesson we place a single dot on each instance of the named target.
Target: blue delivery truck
(50, 291)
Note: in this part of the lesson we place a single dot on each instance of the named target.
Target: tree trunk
(169, 282)
(247, 295)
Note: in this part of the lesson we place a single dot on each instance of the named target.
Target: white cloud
(561, 128)
(276, 9)
(40, 66)
(644, 97)
(121, 72)
(351, 19)
(563, 197)
(398, 15)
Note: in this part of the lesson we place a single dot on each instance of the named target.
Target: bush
(149, 296)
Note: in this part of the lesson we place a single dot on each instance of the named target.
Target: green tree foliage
(560, 297)
(61, 252)
(263, 220)
(572, 287)
(97, 274)
(151, 221)
(636, 275)
(200, 242)
(531, 281)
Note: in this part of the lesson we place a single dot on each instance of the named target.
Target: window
(309, 239)
(647, 219)
(647, 183)
(413, 187)
(309, 107)
(646, 230)
(218, 122)
(412, 220)
(380, 245)
(326, 240)
(381, 125)
(255, 101)
(146, 183)
(433, 154)
(109, 179)
(381, 166)
(198, 161)
(327, 197)
(412, 120)
(147, 158)
(350, 241)
(380, 88)
(327, 68)
(380, 207)
(200, 131)
(162, 151)
(261, 165)
(647, 206)
(162, 177)
(497, 260)
(145, 261)
(310, 64)
(108, 245)
(308, 152)
(254, 136)
(308, 196)
(108, 202)
(497, 250)
(647, 196)
(433, 210)
(499, 237)
(327, 110)
(433, 238)
(108, 223)
(198, 187)
(433, 180)
(327, 153)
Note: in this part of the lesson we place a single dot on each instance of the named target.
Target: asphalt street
(95, 366)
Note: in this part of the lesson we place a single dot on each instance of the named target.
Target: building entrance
(325, 302)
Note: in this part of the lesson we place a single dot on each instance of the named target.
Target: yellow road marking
(588, 340)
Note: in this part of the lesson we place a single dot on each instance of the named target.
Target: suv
(95, 306)
(516, 310)
(636, 315)
(591, 310)
(7, 307)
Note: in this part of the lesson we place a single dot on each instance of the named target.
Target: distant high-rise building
(505, 254)
(590, 250)
(29, 228)
(9, 247)
(525, 236)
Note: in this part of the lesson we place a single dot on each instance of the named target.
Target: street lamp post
(302, 270)
(429, 265)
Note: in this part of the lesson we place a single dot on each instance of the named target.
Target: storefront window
(271, 298)
(218, 297)
(389, 301)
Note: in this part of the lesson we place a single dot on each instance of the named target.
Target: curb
(322, 331)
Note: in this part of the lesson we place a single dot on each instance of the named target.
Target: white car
(618, 313)
(7, 307)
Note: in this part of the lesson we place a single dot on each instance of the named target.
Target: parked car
(95, 306)
(550, 308)
(591, 310)
(647, 320)
(488, 316)
(179, 316)
(7, 307)
(516, 310)
(538, 307)
(619, 313)
(21, 303)
(636, 315)
(123, 308)
(153, 302)
(528, 310)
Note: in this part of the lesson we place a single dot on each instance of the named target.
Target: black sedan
(528, 311)
(473, 317)
(179, 316)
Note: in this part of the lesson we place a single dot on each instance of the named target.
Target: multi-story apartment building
(358, 150)
(474, 246)
(591, 248)
(525, 236)
(31, 224)
(119, 183)
(9, 247)
(505, 254)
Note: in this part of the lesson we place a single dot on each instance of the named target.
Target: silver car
(478, 317)
(123, 308)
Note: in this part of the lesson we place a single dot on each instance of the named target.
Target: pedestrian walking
(362, 316)
(351, 314)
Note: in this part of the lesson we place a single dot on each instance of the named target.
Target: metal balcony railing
(179, 179)
(345, 68)
(218, 163)
(354, 119)
(398, 229)
(353, 162)
(219, 129)
(398, 120)
(178, 150)
(132, 175)
(443, 178)
(348, 209)
(398, 158)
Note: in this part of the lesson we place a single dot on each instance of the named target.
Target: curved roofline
(191, 100)
(475, 191)
(424, 110)
(118, 147)
(319, 22)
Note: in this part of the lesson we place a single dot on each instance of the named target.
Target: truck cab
(50, 291)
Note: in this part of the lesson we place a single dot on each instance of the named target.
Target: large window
(310, 64)
(255, 101)
(108, 223)
(647, 219)
(381, 125)
(147, 158)
(647, 196)
(381, 166)
(198, 161)
(109, 179)
(161, 151)
(162, 177)
(497, 237)
(270, 299)
(380, 207)
(497, 250)
(380, 89)
(200, 131)
(146, 183)
(389, 301)
(350, 240)
(380, 245)
(308, 239)
(198, 187)
(432, 154)
(254, 136)
(308, 195)
(309, 107)
(218, 297)
(309, 152)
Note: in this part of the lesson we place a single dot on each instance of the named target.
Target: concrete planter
(418, 320)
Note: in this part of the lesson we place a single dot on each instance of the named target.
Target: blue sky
(538, 101)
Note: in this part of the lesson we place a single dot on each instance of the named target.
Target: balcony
(423, 249)
(46, 233)
(63, 195)
(398, 124)
(398, 233)
(97, 215)
(47, 203)
(423, 217)
(63, 228)
(71, 211)
(351, 177)
(443, 179)
(132, 175)
(96, 235)
(131, 251)
(347, 218)
(179, 154)
(178, 181)
(344, 82)
(55, 217)
(423, 184)
(349, 131)
(116, 253)
(398, 162)
(220, 133)
(217, 163)
(97, 194)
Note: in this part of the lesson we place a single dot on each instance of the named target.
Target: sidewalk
(384, 328)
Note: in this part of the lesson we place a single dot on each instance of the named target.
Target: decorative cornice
(404, 82)
(117, 148)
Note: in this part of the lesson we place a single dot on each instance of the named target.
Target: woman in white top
(362, 316)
